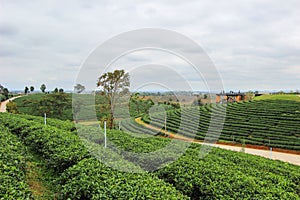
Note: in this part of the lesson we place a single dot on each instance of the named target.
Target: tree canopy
(79, 88)
(113, 84)
(43, 88)
(31, 88)
(26, 90)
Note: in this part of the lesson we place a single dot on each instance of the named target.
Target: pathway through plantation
(286, 157)
(35, 170)
(3, 104)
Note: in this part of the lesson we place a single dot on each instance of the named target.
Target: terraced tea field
(221, 174)
(271, 123)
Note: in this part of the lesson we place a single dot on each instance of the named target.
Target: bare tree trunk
(112, 104)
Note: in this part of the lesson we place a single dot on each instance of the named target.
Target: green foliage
(139, 106)
(5, 93)
(226, 174)
(113, 85)
(59, 148)
(82, 102)
(12, 167)
(26, 105)
(53, 105)
(26, 90)
(31, 88)
(63, 125)
(268, 122)
(90, 179)
(11, 107)
(43, 88)
(221, 174)
(284, 97)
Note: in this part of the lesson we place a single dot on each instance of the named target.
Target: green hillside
(221, 174)
(273, 123)
(288, 97)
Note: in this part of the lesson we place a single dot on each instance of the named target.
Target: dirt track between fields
(3, 104)
(286, 157)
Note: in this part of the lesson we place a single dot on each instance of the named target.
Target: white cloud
(252, 43)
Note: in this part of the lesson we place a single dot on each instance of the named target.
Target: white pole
(270, 152)
(104, 134)
(45, 118)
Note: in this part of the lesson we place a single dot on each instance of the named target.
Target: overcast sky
(255, 44)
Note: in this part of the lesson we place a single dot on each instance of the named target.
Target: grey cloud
(255, 41)
(8, 30)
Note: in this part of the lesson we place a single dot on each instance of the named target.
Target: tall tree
(112, 84)
(31, 88)
(61, 90)
(26, 90)
(79, 88)
(43, 88)
(55, 90)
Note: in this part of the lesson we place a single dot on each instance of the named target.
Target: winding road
(286, 157)
(3, 104)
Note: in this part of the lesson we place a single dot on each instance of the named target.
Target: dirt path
(39, 177)
(33, 176)
(286, 157)
(3, 104)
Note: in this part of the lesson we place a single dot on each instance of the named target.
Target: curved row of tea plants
(82, 177)
(12, 167)
(60, 149)
(221, 174)
(64, 125)
(90, 179)
(269, 123)
(129, 125)
(232, 175)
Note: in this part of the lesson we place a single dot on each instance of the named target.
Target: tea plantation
(221, 174)
(273, 123)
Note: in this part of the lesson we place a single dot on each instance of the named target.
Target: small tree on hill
(31, 88)
(79, 88)
(112, 84)
(43, 88)
(26, 90)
